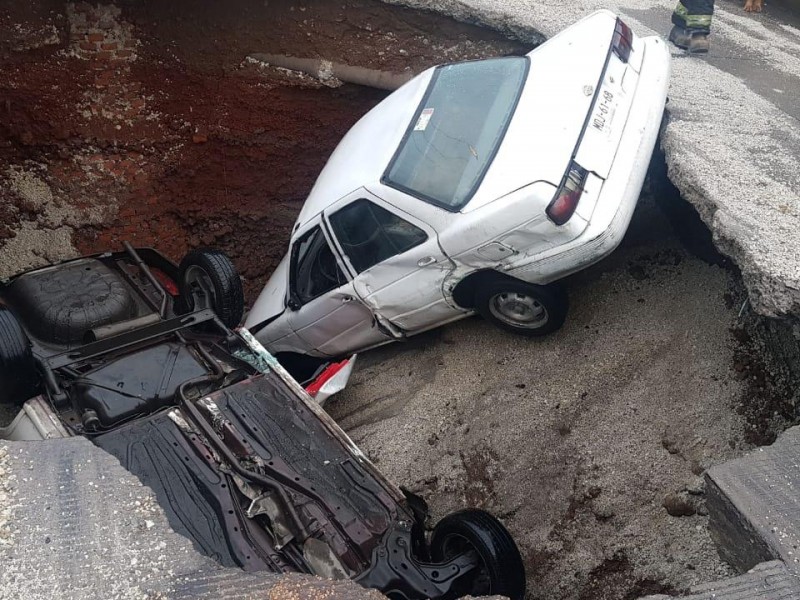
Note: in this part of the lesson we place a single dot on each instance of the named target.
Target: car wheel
(523, 308)
(500, 571)
(19, 380)
(208, 279)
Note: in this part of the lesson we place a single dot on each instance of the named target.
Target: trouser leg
(694, 15)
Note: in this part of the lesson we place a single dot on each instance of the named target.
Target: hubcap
(518, 310)
(201, 286)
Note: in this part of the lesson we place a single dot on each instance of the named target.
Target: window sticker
(424, 119)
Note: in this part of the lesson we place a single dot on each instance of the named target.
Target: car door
(398, 266)
(325, 311)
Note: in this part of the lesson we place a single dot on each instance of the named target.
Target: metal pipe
(325, 69)
(107, 331)
(146, 270)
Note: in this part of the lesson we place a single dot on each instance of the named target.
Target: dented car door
(325, 311)
(398, 265)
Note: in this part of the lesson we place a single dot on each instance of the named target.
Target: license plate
(604, 111)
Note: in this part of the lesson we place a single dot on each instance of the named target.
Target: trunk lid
(549, 121)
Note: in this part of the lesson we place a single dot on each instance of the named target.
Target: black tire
(502, 572)
(219, 274)
(19, 380)
(61, 305)
(543, 307)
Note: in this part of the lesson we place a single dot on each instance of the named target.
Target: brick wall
(97, 32)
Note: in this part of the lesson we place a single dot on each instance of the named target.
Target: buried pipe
(325, 70)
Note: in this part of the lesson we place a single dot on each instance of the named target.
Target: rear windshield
(457, 130)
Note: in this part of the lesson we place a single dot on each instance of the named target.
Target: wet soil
(573, 441)
(192, 144)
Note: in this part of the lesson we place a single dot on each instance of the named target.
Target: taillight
(569, 194)
(622, 43)
(166, 281)
(329, 373)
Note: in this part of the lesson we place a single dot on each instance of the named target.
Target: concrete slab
(754, 505)
(733, 140)
(754, 512)
(75, 525)
(767, 581)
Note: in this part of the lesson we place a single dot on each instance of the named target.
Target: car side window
(370, 234)
(314, 267)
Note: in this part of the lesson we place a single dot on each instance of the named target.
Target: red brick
(199, 138)
(130, 43)
(109, 46)
(90, 46)
(104, 77)
(137, 103)
(95, 37)
(124, 53)
(105, 54)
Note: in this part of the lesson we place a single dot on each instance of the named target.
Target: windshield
(457, 130)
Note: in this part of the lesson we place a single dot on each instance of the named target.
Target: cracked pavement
(733, 136)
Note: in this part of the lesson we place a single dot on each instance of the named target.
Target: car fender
(271, 302)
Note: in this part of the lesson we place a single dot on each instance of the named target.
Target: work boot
(694, 42)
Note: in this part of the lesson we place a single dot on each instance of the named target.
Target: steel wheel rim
(198, 279)
(456, 544)
(518, 310)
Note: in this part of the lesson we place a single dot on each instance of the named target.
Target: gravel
(576, 440)
(45, 235)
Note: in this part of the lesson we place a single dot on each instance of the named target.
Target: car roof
(364, 153)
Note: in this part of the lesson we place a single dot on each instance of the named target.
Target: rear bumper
(620, 192)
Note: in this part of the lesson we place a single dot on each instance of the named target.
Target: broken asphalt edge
(754, 520)
(773, 288)
(76, 525)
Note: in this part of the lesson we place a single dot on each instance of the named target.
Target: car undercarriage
(139, 355)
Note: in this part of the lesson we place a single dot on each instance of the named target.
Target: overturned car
(140, 356)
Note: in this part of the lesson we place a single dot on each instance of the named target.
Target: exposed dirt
(172, 138)
(589, 443)
(182, 141)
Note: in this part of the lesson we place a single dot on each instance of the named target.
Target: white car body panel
(405, 288)
(566, 112)
(272, 300)
(366, 149)
(615, 200)
(541, 137)
(36, 421)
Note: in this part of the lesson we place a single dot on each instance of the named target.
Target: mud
(173, 138)
(177, 140)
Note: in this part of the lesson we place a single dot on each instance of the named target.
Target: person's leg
(692, 19)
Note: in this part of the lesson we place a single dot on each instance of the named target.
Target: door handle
(426, 260)
(346, 299)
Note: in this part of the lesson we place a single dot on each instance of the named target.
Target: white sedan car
(473, 188)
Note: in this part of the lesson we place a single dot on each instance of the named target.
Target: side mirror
(293, 304)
